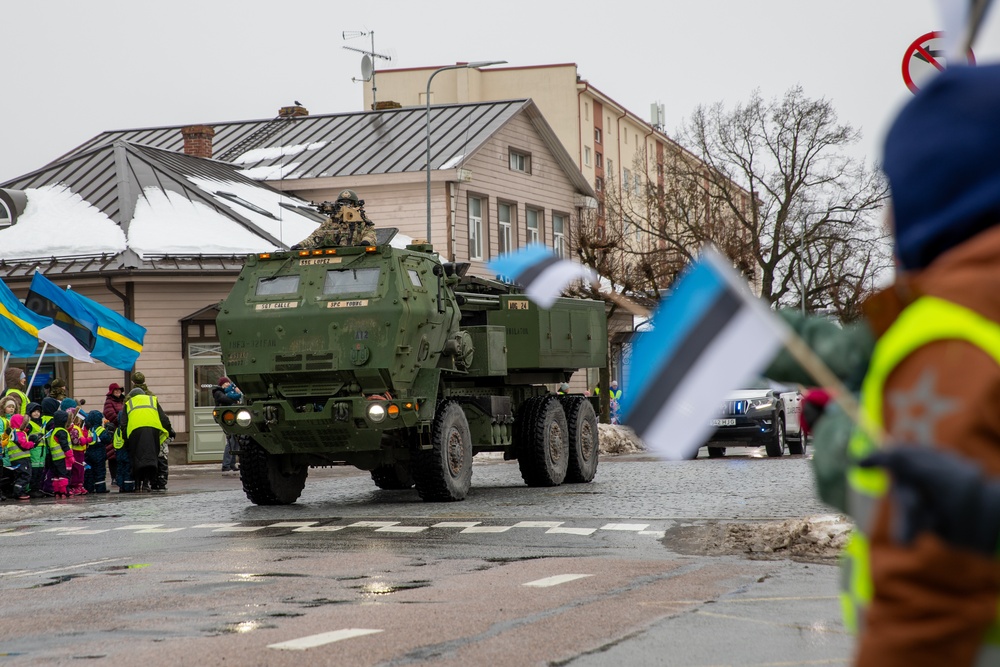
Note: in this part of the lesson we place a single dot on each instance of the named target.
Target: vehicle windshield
(362, 282)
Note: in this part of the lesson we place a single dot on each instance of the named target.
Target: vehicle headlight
(761, 403)
(243, 418)
(376, 412)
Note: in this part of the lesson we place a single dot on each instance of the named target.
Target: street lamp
(475, 65)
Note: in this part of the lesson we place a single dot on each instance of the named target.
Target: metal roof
(359, 143)
(122, 263)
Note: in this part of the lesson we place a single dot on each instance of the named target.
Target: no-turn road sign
(924, 58)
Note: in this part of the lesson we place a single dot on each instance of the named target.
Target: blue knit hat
(942, 157)
(67, 403)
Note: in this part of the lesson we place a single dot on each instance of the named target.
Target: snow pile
(58, 222)
(812, 537)
(618, 440)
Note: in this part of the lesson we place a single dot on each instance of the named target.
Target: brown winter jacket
(933, 603)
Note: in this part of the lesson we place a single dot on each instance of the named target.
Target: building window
(599, 184)
(533, 223)
(505, 215)
(586, 111)
(610, 167)
(519, 161)
(626, 179)
(625, 135)
(598, 160)
(600, 209)
(475, 228)
(559, 234)
(586, 155)
(637, 184)
(597, 135)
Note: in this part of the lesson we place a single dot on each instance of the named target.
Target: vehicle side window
(277, 285)
(414, 277)
(362, 282)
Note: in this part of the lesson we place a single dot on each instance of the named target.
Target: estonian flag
(709, 337)
(19, 326)
(540, 272)
(118, 340)
(73, 327)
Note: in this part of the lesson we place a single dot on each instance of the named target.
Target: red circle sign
(924, 58)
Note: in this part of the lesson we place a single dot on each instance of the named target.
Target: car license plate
(723, 422)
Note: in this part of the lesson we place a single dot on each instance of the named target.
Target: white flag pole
(3, 369)
(39, 363)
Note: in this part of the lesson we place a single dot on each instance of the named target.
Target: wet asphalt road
(199, 576)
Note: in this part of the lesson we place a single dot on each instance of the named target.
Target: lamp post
(475, 65)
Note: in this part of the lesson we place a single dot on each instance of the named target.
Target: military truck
(389, 360)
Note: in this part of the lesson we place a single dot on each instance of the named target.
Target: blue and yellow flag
(18, 325)
(118, 340)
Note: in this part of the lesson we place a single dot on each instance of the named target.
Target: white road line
(625, 526)
(317, 529)
(237, 529)
(88, 532)
(13, 533)
(456, 524)
(61, 530)
(556, 580)
(215, 525)
(486, 529)
(538, 524)
(321, 639)
(401, 529)
(158, 530)
(139, 526)
(655, 533)
(293, 524)
(572, 531)
(60, 569)
(372, 524)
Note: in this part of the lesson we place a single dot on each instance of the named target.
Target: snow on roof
(59, 222)
(271, 172)
(259, 154)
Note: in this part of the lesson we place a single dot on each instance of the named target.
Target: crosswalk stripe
(538, 524)
(456, 524)
(571, 531)
(312, 641)
(139, 526)
(317, 529)
(215, 525)
(292, 524)
(556, 580)
(158, 530)
(401, 529)
(372, 524)
(486, 529)
(88, 532)
(237, 529)
(625, 526)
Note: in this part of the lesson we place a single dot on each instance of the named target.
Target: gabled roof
(358, 143)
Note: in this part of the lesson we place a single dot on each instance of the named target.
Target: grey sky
(77, 68)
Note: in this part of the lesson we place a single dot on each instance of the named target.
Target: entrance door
(207, 441)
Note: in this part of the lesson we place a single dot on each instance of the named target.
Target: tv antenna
(367, 60)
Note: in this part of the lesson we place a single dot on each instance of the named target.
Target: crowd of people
(56, 447)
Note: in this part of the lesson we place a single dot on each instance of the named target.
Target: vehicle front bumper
(752, 430)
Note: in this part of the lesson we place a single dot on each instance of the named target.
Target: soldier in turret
(346, 225)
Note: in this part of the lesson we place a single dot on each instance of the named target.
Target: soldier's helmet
(348, 196)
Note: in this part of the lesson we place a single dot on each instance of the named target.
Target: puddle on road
(241, 628)
(57, 580)
(318, 602)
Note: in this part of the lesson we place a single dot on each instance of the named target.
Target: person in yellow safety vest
(145, 428)
(60, 458)
(15, 380)
(933, 379)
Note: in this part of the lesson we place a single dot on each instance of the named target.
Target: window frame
(597, 135)
(479, 235)
(511, 226)
(539, 225)
(525, 157)
(560, 240)
(586, 156)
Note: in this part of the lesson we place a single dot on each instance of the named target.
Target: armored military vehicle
(389, 360)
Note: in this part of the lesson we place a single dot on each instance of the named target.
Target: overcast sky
(75, 69)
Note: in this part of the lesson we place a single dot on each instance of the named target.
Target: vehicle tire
(584, 444)
(776, 447)
(543, 447)
(264, 480)
(392, 477)
(444, 472)
(798, 447)
(716, 452)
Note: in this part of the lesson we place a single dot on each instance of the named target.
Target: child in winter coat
(19, 453)
(36, 433)
(79, 438)
(60, 453)
(96, 456)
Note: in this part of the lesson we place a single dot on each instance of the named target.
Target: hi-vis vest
(925, 321)
(14, 451)
(142, 412)
(55, 449)
(24, 399)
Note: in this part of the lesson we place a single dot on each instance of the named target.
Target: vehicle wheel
(543, 446)
(777, 445)
(266, 481)
(798, 446)
(584, 445)
(716, 452)
(444, 472)
(392, 477)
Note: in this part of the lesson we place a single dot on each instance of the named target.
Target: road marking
(401, 529)
(237, 529)
(556, 580)
(637, 527)
(28, 573)
(456, 524)
(61, 530)
(317, 529)
(538, 524)
(158, 530)
(372, 524)
(13, 533)
(312, 641)
(486, 529)
(571, 531)
(215, 525)
(87, 532)
(293, 524)
(140, 526)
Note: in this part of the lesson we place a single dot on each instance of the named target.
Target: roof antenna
(367, 62)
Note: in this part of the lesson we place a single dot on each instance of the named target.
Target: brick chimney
(198, 140)
(293, 111)
(387, 104)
